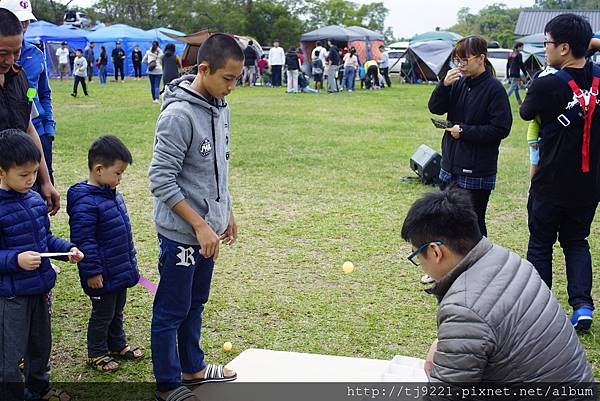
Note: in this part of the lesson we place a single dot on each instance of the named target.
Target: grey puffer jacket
(498, 322)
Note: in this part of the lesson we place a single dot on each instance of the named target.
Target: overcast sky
(409, 17)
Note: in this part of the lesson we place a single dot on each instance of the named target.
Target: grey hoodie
(190, 161)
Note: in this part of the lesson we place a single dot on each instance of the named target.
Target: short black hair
(219, 48)
(9, 23)
(519, 44)
(446, 215)
(79, 50)
(107, 150)
(572, 29)
(16, 149)
(170, 47)
(317, 53)
(319, 43)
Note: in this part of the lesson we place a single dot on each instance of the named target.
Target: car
(396, 57)
(499, 57)
(76, 18)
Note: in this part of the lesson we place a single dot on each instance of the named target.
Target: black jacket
(249, 56)
(559, 178)
(481, 108)
(291, 61)
(15, 108)
(515, 65)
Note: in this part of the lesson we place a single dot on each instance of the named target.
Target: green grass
(316, 181)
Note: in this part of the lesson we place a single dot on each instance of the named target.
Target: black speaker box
(426, 163)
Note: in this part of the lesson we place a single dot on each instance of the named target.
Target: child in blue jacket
(26, 276)
(100, 226)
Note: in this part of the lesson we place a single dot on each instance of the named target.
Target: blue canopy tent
(128, 36)
(50, 36)
(163, 39)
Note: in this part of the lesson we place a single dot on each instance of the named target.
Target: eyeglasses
(549, 41)
(420, 250)
(463, 62)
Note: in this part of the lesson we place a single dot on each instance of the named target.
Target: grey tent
(427, 61)
(332, 32)
(367, 33)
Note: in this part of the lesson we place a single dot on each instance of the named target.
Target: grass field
(316, 181)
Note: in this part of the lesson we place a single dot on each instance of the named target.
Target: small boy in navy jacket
(26, 276)
(100, 226)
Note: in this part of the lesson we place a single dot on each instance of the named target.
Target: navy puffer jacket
(101, 229)
(25, 226)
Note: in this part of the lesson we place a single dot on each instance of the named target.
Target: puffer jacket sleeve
(465, 341)
(83, 220)
(8, 261)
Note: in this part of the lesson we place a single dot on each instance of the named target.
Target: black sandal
(128, 355)
(179, 394)
(99, 363)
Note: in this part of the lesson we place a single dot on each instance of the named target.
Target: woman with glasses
(480, 116)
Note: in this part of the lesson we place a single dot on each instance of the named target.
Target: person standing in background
(384, 66)
(63, 60)
(333, 62)
(102, 63)
(153, 58)
(136, 59)
(79, 72)
(276, 61)
(250, 57)
(88, 53)
(118, 59)
(171, 64)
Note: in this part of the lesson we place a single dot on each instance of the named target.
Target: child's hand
(29, 260)
(75, 255)
(95, 281)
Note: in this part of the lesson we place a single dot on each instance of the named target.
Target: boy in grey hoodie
(192, 213)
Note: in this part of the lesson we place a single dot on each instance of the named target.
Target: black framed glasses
(463, 62)
(549, 41)
(420, 250)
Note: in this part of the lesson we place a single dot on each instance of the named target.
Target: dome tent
(128, 36)
(51, 36)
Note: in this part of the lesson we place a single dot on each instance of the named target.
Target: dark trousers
(183, 290)
(90, 71)
(480, 199)
(373, 75)
(24, 333)
(276, 77)
(137, 69)
(386, 75)
(572, 226)
(119, 68)
(76, 83)
(47, 141)
(105, 327)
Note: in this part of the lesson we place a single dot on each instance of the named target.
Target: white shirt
(384, 60)
(319, 49)
(80, 67)
(63, 55)
(276, 56)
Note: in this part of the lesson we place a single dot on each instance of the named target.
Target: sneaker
(427, 279)
(582, 318)
(74, 94)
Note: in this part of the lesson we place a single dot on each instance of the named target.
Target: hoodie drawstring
(212, 125)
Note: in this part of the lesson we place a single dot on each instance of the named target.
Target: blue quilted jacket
(25, 226)
(101, 229)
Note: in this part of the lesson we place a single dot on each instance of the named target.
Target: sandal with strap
(212, 374)
(179, 394)
(128, 355)
(99, 363)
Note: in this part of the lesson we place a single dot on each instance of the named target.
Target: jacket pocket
(217, 216)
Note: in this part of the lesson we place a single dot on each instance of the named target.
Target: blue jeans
(155, 85)
(349, 73)
(102, 73)
(183, 290)
(514, 87)
(572, 226)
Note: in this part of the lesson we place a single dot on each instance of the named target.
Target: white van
(76, 18)
(499, 58)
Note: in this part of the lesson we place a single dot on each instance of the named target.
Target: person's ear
(2, 173)
(98, 169)
(436, 252)
(564, 49)
(203, 69)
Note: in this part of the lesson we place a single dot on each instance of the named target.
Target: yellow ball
(227, 346)
(348, 267)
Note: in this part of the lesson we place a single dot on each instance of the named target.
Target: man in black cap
(118, 59)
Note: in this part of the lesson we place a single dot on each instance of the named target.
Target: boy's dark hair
(572, 29)
(79, 50)
(518, 44)
(317, 53)
(217, 49)
(170, 47)
(106, 150)
(443, 215)
(9, 23)
(319, 43)
(16, 149)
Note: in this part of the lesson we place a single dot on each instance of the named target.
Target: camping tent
(427, 61)
(446, 36)
(364, 40)
(128, 36)
(50, 37)
(163, 39)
